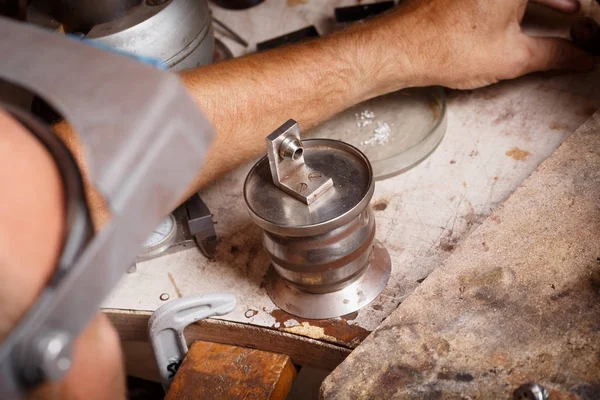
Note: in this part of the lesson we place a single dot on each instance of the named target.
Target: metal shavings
(364, 118)
(381, 135)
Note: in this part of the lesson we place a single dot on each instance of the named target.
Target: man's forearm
(461, 44)
(247, 98)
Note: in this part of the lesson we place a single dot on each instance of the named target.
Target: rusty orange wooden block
(218, 371)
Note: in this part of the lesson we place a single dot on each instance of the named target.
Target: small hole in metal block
(298, 153)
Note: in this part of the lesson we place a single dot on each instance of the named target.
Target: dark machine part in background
(15, 9)
(76, 15)
(237, 4)
(310, 32)
(344, 15)
(83, 15)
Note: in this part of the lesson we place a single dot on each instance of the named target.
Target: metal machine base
(329, 305)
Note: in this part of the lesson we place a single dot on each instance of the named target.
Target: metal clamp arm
(165, 328)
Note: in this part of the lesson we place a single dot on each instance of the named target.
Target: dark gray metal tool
(156, 147)
(201, 226)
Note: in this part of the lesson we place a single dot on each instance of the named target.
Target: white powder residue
(364, 118)
(290, 323)
(381, 135)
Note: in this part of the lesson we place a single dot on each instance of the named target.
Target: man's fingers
(552, 53)
(567, 6)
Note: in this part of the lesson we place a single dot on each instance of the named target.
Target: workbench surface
(496, 138)
(517, 302)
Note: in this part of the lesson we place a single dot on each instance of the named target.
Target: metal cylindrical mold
(176, 32)
(325, 260)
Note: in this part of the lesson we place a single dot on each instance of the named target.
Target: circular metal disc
(329, 305)
(352, 185)
(395, 131)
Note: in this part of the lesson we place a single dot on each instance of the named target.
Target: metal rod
(237, 37)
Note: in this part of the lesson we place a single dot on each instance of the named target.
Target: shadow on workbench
(307, 384)
(141, 389)
(305, 387)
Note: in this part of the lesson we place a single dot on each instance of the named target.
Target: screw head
(54, 354)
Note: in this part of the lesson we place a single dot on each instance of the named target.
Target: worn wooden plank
(133, 327)
(518, 301)
(217, 371)
(496, 137)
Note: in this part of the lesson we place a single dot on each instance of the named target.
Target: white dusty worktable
(496, 138)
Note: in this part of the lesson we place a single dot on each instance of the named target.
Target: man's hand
(467, 44)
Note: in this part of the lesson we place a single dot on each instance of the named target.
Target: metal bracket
(165, 328)
(290, 172)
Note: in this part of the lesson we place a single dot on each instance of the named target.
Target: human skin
(460, 44)
(31, 235)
